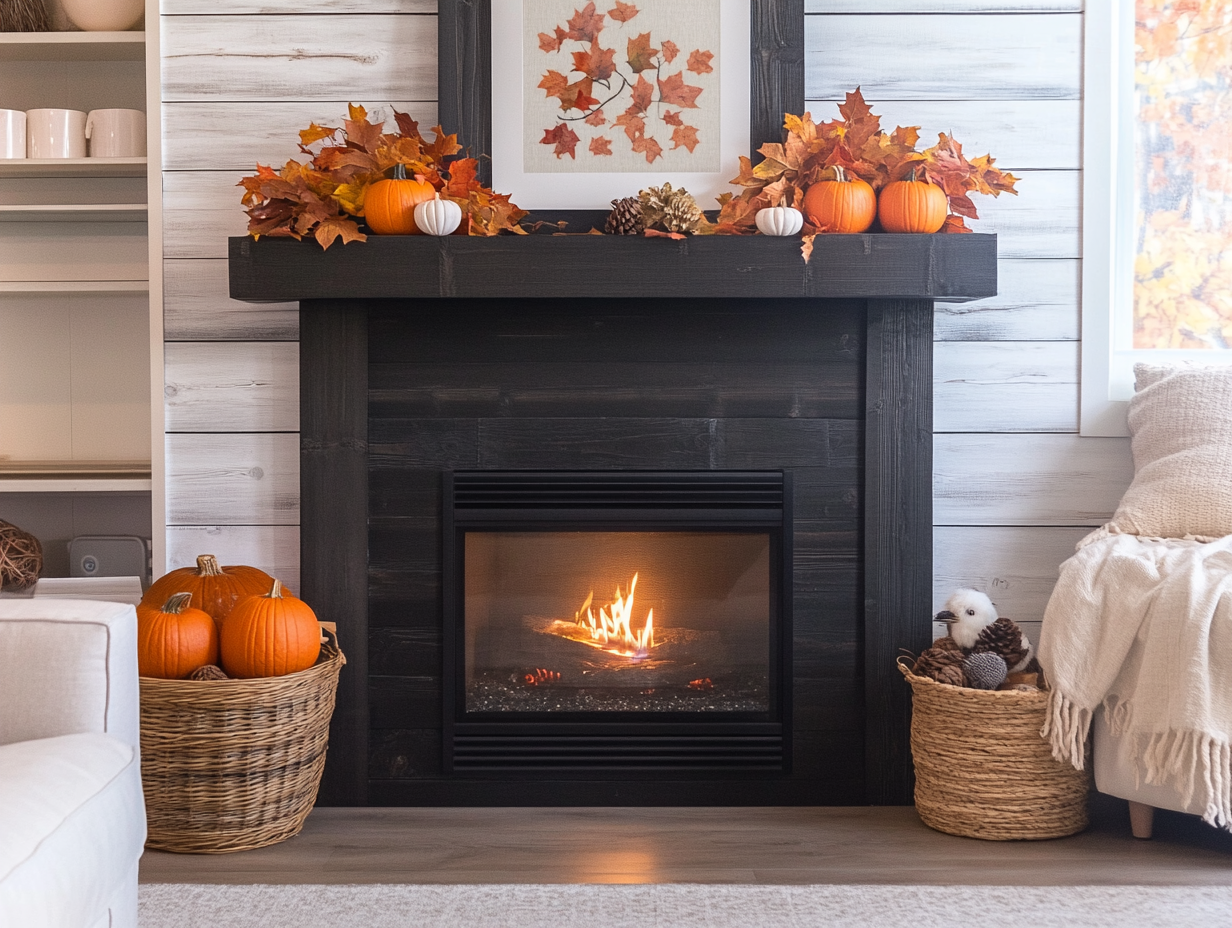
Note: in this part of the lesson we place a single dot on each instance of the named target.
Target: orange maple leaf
(699, 62)
(641, 55)
(552, 43)
(596, 119)
(643, 94)
(623, 12)
(685, 136)
(634, 125)
(600, 146)
(553, 83)
(670, 51)
(314, 133)
(598, 64)
(650, 147)
(577, 96)
(675, 92)
(585, 24)
(672, 119)
(564, 138)
(330, 230)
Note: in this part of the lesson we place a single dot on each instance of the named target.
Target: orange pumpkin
(912, 206)
(845, 204)
(389, 205)
(174, 639)
(270, 635)
(215, 589)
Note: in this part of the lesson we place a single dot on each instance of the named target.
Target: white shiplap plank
(1028, 479)
(245, 7)
(231, 386)
(941, 6)
(1019, 134)
(272, 548)
(201, 209)
(299, 58)
(203, 136)
(1015, 566)
(1037, 300)
(197, 307)
(1005, 387)
(959, 57)
(237, 479)
(1042, 221)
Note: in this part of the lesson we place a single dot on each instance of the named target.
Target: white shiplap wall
(1014, 484)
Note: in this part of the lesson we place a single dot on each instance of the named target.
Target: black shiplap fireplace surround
(427, 362)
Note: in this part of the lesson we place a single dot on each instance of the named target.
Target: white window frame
(1108, 220)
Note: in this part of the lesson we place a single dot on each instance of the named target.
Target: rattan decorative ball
(24, 16)
(985, 671)
(21, 558)
(209, 672)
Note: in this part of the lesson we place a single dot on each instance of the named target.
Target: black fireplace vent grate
(617, 752)
(695, 490)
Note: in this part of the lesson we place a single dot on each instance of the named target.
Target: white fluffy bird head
(966, 614)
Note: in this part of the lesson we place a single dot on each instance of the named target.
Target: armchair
(73, 816)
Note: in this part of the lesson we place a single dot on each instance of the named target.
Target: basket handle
(901, 662)
(329, 635)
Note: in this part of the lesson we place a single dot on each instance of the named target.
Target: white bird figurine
(971, 619)
(967, 613)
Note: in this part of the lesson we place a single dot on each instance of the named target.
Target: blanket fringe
(1196, 764)
(1066, 725)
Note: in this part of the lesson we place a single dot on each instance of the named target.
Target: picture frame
(776, 82)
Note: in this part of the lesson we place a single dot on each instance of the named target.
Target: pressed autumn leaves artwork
(617, 87)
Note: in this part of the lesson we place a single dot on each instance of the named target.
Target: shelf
(74, 286)
(72, 46)
(74, 212)
(73, 167)
(75, 485)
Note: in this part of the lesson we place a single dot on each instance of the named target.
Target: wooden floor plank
(872, 845)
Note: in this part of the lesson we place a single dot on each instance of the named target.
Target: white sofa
(72, 819)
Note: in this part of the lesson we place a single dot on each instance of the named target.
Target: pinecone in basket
(209, 672)
(1005, 639)
(669, 209)
(941, 665)
(946, 643)
(985, 671)
(625, 217)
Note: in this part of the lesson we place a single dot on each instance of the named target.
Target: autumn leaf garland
(325, 197)
(857, 143)
(605, 81)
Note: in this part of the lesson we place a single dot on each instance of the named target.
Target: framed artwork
(580, 102)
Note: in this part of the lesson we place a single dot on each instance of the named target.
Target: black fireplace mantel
(892, 280)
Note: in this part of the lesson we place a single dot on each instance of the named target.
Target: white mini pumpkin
(780, 220)
(437, 216)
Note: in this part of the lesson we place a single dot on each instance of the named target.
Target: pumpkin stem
(207, 566)
(177, 603)
(840, 173)
(911, 176)
(399, 171)
(275, 591)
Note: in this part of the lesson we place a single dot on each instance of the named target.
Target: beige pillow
(1180, 425)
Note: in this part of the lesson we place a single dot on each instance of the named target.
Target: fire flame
(611, 630)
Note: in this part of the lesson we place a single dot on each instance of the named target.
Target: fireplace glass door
(577, 621)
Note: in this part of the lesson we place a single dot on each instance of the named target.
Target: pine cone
(985, 671)
(208, 672)
(625, 217)
(682, 214)
(946, 643)
(941, 665)
(1005, 639)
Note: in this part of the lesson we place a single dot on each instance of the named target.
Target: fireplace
(629, 620)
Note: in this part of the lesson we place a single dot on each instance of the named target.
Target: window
(1157, 203)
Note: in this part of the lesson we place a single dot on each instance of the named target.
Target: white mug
(55, 133)
(12, 134)
(116, 133)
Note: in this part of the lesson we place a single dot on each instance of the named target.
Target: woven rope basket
(232, 765)
(982, 769)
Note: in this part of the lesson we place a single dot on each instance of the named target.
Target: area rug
(169, 905)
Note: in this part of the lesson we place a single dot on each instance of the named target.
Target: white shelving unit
(80, 297)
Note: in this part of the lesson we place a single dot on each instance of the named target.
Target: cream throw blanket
(1143, 626)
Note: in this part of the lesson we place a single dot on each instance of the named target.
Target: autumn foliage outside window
(1183, 179)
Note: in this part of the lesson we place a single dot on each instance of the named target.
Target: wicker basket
(231, 765)
(982, 769)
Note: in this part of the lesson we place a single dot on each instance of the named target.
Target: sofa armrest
(68, 666)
